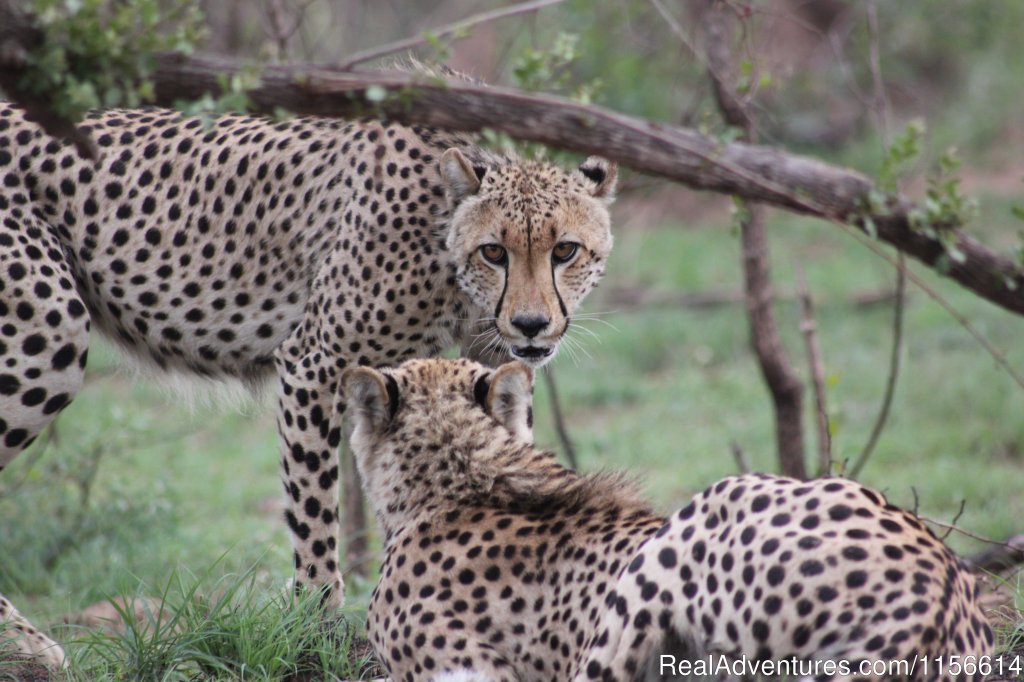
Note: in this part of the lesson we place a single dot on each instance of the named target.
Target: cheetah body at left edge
(252, 249)
(501, 565)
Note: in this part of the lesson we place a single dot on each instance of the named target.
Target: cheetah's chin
(535, 356)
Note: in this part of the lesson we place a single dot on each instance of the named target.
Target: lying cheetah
(501, 565)
(253, 248)
(775, 569)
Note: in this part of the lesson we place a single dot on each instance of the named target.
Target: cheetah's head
(433, 429)
(529, 242)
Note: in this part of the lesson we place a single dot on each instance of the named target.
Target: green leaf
(376, 93)
(870, 228)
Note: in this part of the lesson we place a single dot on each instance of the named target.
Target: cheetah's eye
(564, 251)
(494, 253)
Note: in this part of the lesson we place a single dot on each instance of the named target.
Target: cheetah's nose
(530, 325)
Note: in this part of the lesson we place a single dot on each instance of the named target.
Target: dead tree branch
(783, 383)
(756, 173)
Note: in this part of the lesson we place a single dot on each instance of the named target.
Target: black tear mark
(480, 171)
(529, 416)
(392, 388)
(595, 173)
(480, 390)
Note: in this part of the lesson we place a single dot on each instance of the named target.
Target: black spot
(33, 344)
(855, 579)
(9, 384)
(64, 357)
(811, 567)
(840, 512)
(667, 557)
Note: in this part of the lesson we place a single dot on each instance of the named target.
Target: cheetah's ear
(459, 176)
(600, 175)
(370, 397)
(510, 399)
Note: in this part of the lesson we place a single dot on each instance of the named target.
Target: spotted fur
(254, 248)
(502, 565)
(772, 568)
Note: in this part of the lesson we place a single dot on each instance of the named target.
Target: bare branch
(809, 329)
(895, 355)
(740, 456)
(1015, 543)
(559, 418)
(1002, 556)
(952, 524)
(784, 385)
(443, 32)
(276, 13)
(881, 104)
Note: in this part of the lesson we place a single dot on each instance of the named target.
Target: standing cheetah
(500, 565)
(251, 248)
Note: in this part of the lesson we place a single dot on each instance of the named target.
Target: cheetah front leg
(44, 340)
(310, 432)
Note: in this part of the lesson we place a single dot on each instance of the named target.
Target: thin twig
(952, 524)
(881, 99)
(895, 356)
(998, 558)
(808, 328)
(1012, 543)
(276, 14)
(740, 456)
(679, 33)
(917, 500)
(559, 418)
(443, 32)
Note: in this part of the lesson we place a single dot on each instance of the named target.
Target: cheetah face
(529, 242)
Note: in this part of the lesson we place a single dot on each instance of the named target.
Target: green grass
(139, 494)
